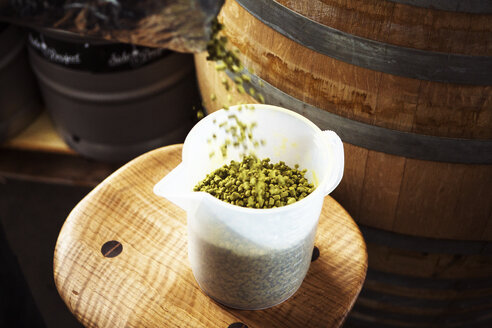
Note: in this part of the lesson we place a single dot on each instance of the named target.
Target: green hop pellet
(238, 80)
(246, 77)
(220, 66)
(240, 89)
(256, 183)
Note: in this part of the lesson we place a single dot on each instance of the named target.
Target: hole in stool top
(315, 255)
(111, 248)
(237, 325)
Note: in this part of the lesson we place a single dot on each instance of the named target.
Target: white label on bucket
(52, 54)
(135, 58)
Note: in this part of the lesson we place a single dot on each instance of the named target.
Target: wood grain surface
(149, 283)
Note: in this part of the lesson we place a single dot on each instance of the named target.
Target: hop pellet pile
(257, 183)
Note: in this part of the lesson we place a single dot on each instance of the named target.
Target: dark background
(31, 216)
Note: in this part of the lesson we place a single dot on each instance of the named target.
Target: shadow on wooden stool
(121, 261)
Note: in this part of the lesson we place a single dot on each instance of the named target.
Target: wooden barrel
(407, 86)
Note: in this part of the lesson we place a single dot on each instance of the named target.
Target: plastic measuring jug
(249, 258)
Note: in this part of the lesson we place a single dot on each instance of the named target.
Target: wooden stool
(121, 261)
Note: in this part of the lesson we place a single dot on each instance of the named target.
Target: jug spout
(175, 187)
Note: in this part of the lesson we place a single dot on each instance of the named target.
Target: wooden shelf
(39, 154)
(39, 136)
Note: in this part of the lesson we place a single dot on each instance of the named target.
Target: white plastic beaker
(249, 258)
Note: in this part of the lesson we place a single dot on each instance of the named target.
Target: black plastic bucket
(113, 102)
(19, 94)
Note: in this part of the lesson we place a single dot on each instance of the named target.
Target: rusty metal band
(363, 320)
(389, 141)
(417, 302)
(478, 309)
(374, 317)
(429, 283)
(370, 54)
(478, 312)
(459, 6)
(424, 244)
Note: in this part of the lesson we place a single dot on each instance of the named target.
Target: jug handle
(336, 145)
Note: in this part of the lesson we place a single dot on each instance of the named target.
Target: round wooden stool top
(121, 261)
